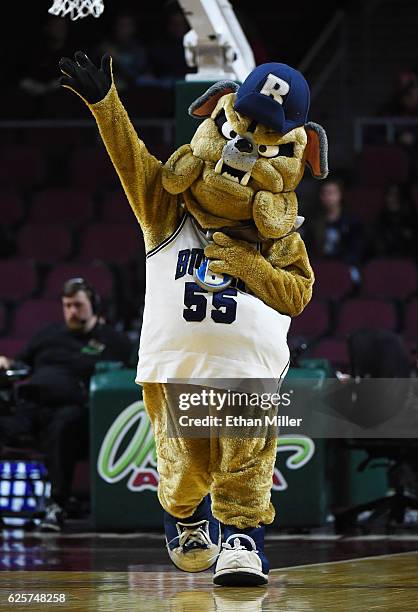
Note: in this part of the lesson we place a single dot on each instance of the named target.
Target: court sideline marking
(292, 567)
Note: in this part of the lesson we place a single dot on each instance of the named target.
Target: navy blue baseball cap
(275, 95)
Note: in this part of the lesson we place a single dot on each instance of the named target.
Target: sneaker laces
(237, 543)
(195, 533)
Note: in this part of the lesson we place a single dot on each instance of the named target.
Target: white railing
(389, 123)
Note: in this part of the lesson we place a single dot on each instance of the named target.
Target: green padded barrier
(318, 364)
(123, 466)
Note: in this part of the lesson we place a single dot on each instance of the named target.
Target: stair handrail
(323, 38)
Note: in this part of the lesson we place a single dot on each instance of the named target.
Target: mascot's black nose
(244, 146)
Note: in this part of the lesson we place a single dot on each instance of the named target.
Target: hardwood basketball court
(131, 572)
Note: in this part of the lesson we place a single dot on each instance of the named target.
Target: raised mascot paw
(84, 78)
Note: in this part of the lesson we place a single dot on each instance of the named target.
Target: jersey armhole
(169, 239)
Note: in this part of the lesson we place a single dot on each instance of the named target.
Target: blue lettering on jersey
(196, 259)
(189, 259)
(182, 261)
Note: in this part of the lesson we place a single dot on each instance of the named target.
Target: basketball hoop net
(77, 9)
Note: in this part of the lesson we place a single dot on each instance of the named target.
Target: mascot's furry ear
(204, 105)
(316, 150)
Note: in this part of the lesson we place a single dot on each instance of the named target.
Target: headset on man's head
(72, 285)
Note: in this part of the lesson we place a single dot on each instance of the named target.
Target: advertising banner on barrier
(124, 472)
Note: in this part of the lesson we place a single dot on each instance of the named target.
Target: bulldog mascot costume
(226, 271)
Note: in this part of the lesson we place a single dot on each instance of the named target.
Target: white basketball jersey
(188, 332)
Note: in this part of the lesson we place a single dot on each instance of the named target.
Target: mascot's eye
(268, 150)
(284, 150)
(227, 131)
(224, 127)
(287, 149)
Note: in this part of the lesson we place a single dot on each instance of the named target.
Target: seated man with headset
(52, 402)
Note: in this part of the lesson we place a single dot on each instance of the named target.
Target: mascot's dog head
(246, 159)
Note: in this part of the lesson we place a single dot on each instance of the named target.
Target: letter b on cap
(275, 87)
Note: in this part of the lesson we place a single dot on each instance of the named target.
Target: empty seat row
(333, 349)
(380, 278)
(26, 166)
(32, 315)
(312, 324)
(366, 201)
(52, 242)
(75, 205)
(380, 165)
(316, 320)
(336, 351)
(74, 208)
(19, 279)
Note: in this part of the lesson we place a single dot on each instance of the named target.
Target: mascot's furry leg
(242, 479)
(238, 474)
(193, 535)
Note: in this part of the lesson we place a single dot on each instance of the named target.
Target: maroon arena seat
(120, 244)
(91, 168)
(355, 314)
(21, 165)
(18, 279)
(332, 279)
(333, 349)
(313, 322)
(411, 321)
(115, 208)
(10, 346)
(44, 242)
(32, 315)
(97, 274)
(69, 207)
(2, 316)
(365, 202)
(11, 207)
(389, 278)
(379, 165)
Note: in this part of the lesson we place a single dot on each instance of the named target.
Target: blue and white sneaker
(193, 543)
(242, 561)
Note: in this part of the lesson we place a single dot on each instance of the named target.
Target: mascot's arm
(140, 173)
(281, 276)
